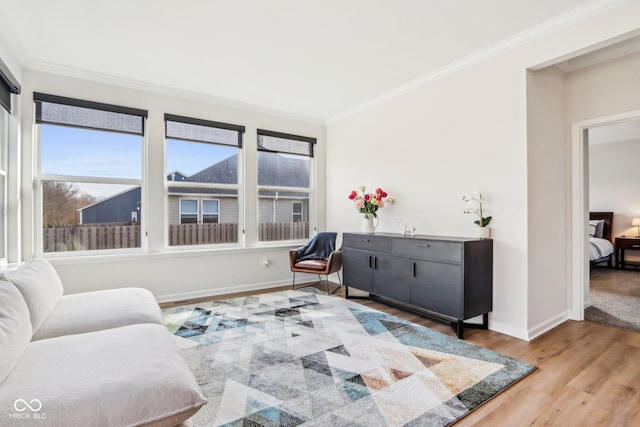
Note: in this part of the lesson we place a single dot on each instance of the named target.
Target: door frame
(580, 207)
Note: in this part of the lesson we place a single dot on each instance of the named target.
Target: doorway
(614, 294)
(580, 208)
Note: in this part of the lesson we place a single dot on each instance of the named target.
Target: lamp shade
(635, 222)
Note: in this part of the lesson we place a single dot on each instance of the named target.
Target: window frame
(311, 190)
(4, 166)
(238, 187)
(40, 177)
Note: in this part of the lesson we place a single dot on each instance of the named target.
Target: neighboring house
(190, 205)
(121, 207)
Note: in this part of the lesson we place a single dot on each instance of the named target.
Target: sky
(83, 152)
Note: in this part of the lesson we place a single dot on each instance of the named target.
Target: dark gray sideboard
(445, 278)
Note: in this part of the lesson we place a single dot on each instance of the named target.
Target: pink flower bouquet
(369, 203)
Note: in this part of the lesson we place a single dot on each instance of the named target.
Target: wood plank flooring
(588, 374)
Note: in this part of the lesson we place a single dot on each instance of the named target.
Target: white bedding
(599, 248)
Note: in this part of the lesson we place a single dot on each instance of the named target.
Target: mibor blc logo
(27, 410)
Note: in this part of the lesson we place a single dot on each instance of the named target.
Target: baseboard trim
(547, 325)
(301, 278)
(212, 292)
(508, 330)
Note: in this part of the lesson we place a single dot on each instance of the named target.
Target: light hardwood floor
(588, 374)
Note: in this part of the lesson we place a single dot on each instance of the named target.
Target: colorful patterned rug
(305, 358)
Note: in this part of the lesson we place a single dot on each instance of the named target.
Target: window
(90, 174)
(297, 214)
(194, 211)
(210, 211)
(203, 181)
(188, 211)
(284, 186)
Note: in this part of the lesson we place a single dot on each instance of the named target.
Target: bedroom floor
(615, 298)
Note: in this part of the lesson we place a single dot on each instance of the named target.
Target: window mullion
(90, 179)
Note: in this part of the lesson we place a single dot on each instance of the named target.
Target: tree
(60, 203)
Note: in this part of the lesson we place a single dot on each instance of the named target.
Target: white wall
(548, 191)
(598, 91)
(602, 90)
(469, 131)
(614, 183)
(168, 275)
(10, 59)
(429, 147)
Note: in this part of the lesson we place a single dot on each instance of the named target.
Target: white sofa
(99, 358)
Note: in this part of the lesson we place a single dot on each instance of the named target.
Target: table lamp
(635, 222)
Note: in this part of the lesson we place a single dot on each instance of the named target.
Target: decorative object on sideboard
(369, 224)
(474, 200)
(635, 222)
(407, 229)
(368, 204)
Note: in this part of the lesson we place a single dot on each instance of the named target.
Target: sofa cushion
(128, 376)
(15, 327)
(40, 286)
(95, 311)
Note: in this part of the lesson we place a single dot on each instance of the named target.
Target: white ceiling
(314, 58)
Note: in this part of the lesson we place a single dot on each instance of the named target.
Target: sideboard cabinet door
(391, 277)
(357, 268)
(437, 286)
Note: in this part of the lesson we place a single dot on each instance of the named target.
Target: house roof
(274, 170)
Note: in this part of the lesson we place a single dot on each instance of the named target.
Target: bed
(600, 242)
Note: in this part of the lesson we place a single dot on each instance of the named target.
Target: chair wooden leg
(293, 284)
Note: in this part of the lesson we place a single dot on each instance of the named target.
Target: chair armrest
(293, 253)
(334, 261)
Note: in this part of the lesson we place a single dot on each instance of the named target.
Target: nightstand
(622, 244)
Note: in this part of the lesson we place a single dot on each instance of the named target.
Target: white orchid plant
(474, 200)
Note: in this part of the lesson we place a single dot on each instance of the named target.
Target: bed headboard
(608, 223)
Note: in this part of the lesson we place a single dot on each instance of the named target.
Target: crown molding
(561, 21)
(64, 71)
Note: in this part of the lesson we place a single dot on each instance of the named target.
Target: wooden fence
(201, 234)
(283, 231)
(82, 238)
(114, 236)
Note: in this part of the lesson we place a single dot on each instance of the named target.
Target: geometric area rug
(306, 358)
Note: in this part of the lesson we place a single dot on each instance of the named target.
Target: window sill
(167, 254)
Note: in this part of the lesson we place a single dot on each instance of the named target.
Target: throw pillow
(15, 327)
(598, 228)
(40, 287)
